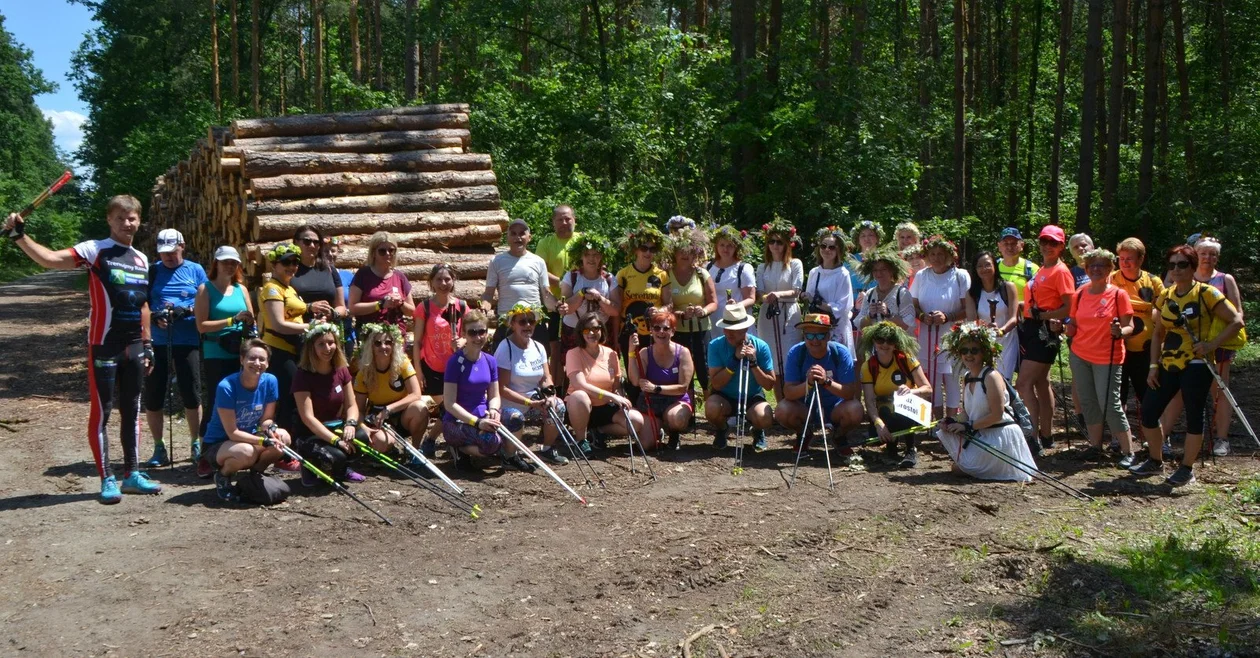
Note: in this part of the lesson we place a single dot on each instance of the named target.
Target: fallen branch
(8, 423)
(1081, 645)
(370, 613)
(685, 645)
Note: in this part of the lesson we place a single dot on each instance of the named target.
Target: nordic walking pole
(800, 446)
(16, 232)
(993, 312)
(896, 435)
(822, 425)
(634, 440)
(459, 503)
(774, 313)
(292, 454)
(419, 456)
(520, 447)
(741, 411)
(1220, 384)
(1029, 469)
(579, 457)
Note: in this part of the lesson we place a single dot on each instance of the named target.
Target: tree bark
(857, 44)
(1012, 174)
(214, 57)
(255, 57)
(357, 122)
(317, 52)
(1115, 106)
(1183, 94)
(702, 15)
(1032, 104)
(411, 60)
(1222, 22)
(1089, 114)
(1056, 146)
(266, 164)
(775, 39)
(355, 54)
(743, 52)
(925, 187)
(279, 227)
(236, 57)
(435, 48)
(378, 142)
(380, 52)
(1150, 108)
(297, 186)
(485, 197)
(960, 108)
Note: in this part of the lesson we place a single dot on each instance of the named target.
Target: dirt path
(892, 563)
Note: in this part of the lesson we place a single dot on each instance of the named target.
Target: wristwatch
(657, 390)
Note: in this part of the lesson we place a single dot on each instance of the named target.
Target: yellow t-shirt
(1197, 305)
(385, 389)
(1023, 272)
(689, 294)
(639, 292)
(554, 252)
(890, 378)
(294, 309)
(1142, 294)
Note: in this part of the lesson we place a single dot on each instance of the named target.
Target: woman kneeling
(985, 416)
(594, 379)
(246, 402)
(326, 406)
(892, 370)
(663, 372)
(387, 387)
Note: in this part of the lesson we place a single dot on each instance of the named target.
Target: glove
(146, 352)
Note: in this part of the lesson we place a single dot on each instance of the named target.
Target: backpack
(739, 274)
(573, 275)
(261, 489)
(899, 358)
(461, 307)
(1015, 406)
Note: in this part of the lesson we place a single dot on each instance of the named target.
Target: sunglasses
(386, 251)
(310, 242)
(662, 327)
(647, 247)
(527, 322)
(776, 242)
(828, 247)
(592, 331)
(477, 333)
(883, 341)
(1098, 266)
(1050, 241)
(1179, 265)
(814, 336)
(969, 351)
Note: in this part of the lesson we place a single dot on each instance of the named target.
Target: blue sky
(53, 31)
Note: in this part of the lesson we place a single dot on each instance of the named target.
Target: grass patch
(1206, 573)
(1249, 491)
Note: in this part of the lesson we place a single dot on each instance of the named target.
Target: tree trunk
(435, 48)
(1183, 94)
(255, 58)
(448, 140)
(1226, 72)
(858, 42)
(1032, 104)
(1150, 108)
(899, 28)
(380, 52)
(444, 200)
(439, 116)
(355, 54)
(317, 52)
(303, 81)
(298, 186)
(743, 52)
(775, 39)
(960, 107)
(1128, 133)
(1089, 114)
(1115, 106)
(411, 59)
(926, 176)
(1012, 174)
(443, 224)
(214, 57)
(236, 57)
(1056, 146)
(267, 164)
(1161, 161)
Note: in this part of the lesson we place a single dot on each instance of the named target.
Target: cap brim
(167, 248)
(228, 257)
(807, 325)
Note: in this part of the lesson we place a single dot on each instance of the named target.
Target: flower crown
(678, 223)
(833, 231)
(887, 331)
(391, 330)
(641, 235)
(867, 224)
(281, 250)
(886, 254)
(584, 242)
(520, 308)
(692, 239)
(938, 240)
(319, 328)
(737, 237)
(983, 335)
(780, 226)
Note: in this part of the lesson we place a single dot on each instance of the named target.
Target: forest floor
(700, 562)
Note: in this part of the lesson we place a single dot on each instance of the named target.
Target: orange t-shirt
(1047, 287)
(602, 372)
(1092, 314)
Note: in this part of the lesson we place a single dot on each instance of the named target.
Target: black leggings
(896, 423)
(114, 365)
(186, 359)
(698, 343)
(1193, 383)
(214, 371)
(1133, 373)
(327, 457)
(284, 366)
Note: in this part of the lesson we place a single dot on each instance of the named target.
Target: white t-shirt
(527, 366)
(834, 287)
(604, 285)
(735, 278)
(941, 292)
(517, 279)
(898, 300)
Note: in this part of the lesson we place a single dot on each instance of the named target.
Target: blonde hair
(379, 238)
(908, 226)
(123, 202)
(476, 316)
(307, 361)
(367, 358)
(1134, 245)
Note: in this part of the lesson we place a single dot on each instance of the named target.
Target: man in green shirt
(1014, 267)
(553, 250)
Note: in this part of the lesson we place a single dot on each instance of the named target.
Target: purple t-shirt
(375, 288)
(473, 380)
(328, 392)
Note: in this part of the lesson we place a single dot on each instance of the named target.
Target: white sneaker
(1220, 447)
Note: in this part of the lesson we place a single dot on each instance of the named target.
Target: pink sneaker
(354, 476)
(290, 465)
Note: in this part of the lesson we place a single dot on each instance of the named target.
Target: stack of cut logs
(406, 170)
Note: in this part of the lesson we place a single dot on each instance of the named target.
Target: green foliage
(1205, 571)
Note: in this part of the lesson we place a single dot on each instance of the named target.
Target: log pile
(406, 170)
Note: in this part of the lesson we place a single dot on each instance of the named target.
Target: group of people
(332, 362)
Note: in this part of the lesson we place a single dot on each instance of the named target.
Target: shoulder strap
(872, 364)
(902, 362)
(1027, 269)
(573, 275)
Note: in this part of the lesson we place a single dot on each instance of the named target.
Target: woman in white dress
(828, 288)
(733, 279)
(779, 283)
(993, 301)
(938, 291)
(986, 416)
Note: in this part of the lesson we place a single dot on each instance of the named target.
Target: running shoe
(139, 483)
(204, 468)
(354, 476)
(598, 439)
(309, 479)
(1125, 461)
(719, 438)
(1220, 447)
(675, 441)
(1181, 477)
(225, 489)
(463, 461)
(290, 465)
(159, 458)
(759, 441)
(553, 456)
(1034, 446)
(196, 450)
(1047, 442)
(1091, 454)
(1147, 467)
(910, 460)
(585, 446)
(1114, 446)
(517, 462)
(109, 491)
(428, 448)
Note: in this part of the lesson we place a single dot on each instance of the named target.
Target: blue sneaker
(159, 458)
(759, 441)
(110, 494)
(428, 448)
(225, 489)
(139, 483)
(196, 451)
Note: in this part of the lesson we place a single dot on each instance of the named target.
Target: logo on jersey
(118, 277)
(396, 385)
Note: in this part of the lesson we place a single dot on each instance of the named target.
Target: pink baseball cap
(1054, 233)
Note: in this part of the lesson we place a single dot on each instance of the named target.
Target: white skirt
(979, 463)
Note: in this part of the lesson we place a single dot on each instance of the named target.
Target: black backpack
(1015, 406)
(254, 487)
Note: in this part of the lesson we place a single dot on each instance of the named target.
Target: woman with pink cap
(1046, 299)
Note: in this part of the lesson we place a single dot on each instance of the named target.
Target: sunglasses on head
(815, 336)
(968, 351)
(478, 333)
(1179, 265)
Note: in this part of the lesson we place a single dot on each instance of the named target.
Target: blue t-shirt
(177, 287)
(838, 363)
(722, 355)
(860, 283)
(347, 326)
(248, 405)
(1079, 275)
